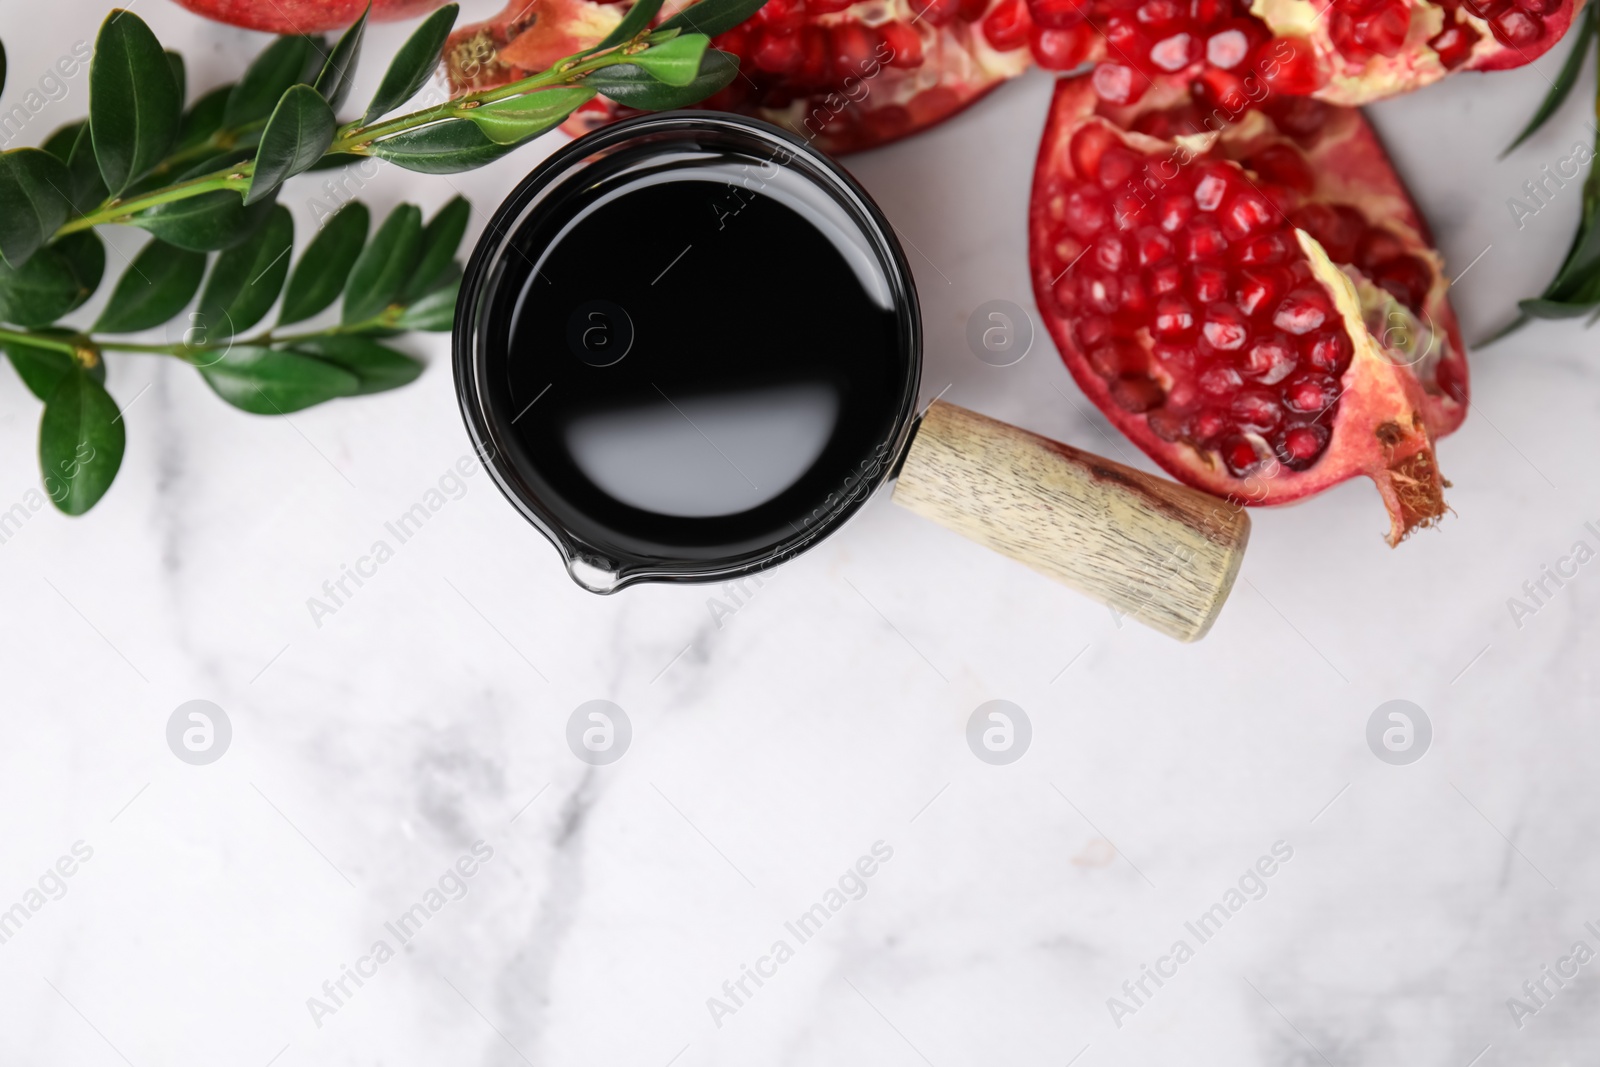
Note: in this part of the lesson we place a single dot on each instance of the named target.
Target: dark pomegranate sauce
(696, 357)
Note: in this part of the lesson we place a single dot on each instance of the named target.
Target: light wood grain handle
(1152, 549)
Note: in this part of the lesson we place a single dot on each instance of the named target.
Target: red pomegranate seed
(1300, 446)
(851, 46)
(1289, 65)
(1225, 328)
(1282, 164)
(1257, 410)
(936, 12)
(1099, 291)
(815, 66)
(1259, 289)
(1229, 47)
(1219, 379)
(1110, 252)
(1212, 185)
(1516, 28)
(1007, 26)
(1165, 279)
(1090, 331)
(1327, 352)
(1209, 12)
(1174, 319)
(1222, 94)
(1118, 164)
(905, 44)
(1134, 303)
(1246, 214)
(1384, 28)
(1408, 278)
(1153, 246)
(1088, 145)
(1208, 424)
(1173, 210)
(1129, 209)
(1167, 424)
(1454, 44)
(1174, 357)
(1270, 359)
(1209, 284)
(1137, 393)
(1539, 7)
(1377, 246)
(1160, 14)
(1486, 9)
(1172, 54)
(1300, 117)
(1118, 84)
(1056, 14)
(1201, 240)
(1086, 211)
(1116, 357)
(1265, 250)
(1302, 311)
(1310, 394)
(972, 10)
(1062, 49)
(826, 7)
(1240, 455)
(777, 53)
(786, 14)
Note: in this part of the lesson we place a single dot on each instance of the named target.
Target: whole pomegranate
(1257, 308)
(304, 16)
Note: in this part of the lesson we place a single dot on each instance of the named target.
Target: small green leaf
(84, 184)
(299, 131)
(41, 369)
(447, 147)
(207, 222)
(54, 281)
(179, 77)
(634, 22)
(385, 265)
(439, 244)
(517, 118)
(413, 64)
(334, 161)
(59, 144)
(435, 312)
(285, 62)
(1555, 309)
(134, 106)
(675, 62)
(157, 285)
(203, 119)
(1562, 86)
(266, 381)
(33, 201)
(712, 17)
(319, 277)
(632, 86)
(246, 279)
(377, 368)
(339, 72)
(81, 441)
(86, 257)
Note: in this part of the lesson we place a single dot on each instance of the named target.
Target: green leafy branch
(1575, 290)
(203, 181)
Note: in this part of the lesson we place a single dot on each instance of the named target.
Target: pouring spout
(597, 576)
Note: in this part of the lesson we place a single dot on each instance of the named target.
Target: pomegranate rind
(959, 67)
(1386, 419)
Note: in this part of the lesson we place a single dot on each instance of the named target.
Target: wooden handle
(1152, 549)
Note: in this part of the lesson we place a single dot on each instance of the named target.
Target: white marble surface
(826, 715)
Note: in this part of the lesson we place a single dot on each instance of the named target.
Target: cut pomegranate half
(844, 76)
(1343, 51)
(1259, 310)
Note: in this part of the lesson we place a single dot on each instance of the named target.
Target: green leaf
(632, 86)
(446, 147)
(59, 144)
(179, 77)
(299, 131)
(203, 119)
(439, 244)
(334, 161)
(1562, 86)
(675, 62)
(84, 185)
(285, 62)
(1555, 309)
(712, 17)
(134, 106)
(385, 265)
(632, 24)
(413, 65)
(266, 381)
(33, 201)
(319, 277)
(376, 367)
(517, 118)
(207, 222)
(41, 369)
(246, 279)
(339, 72)
(435, 312)
(81, 441)
(54, 281)
(157, 285)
